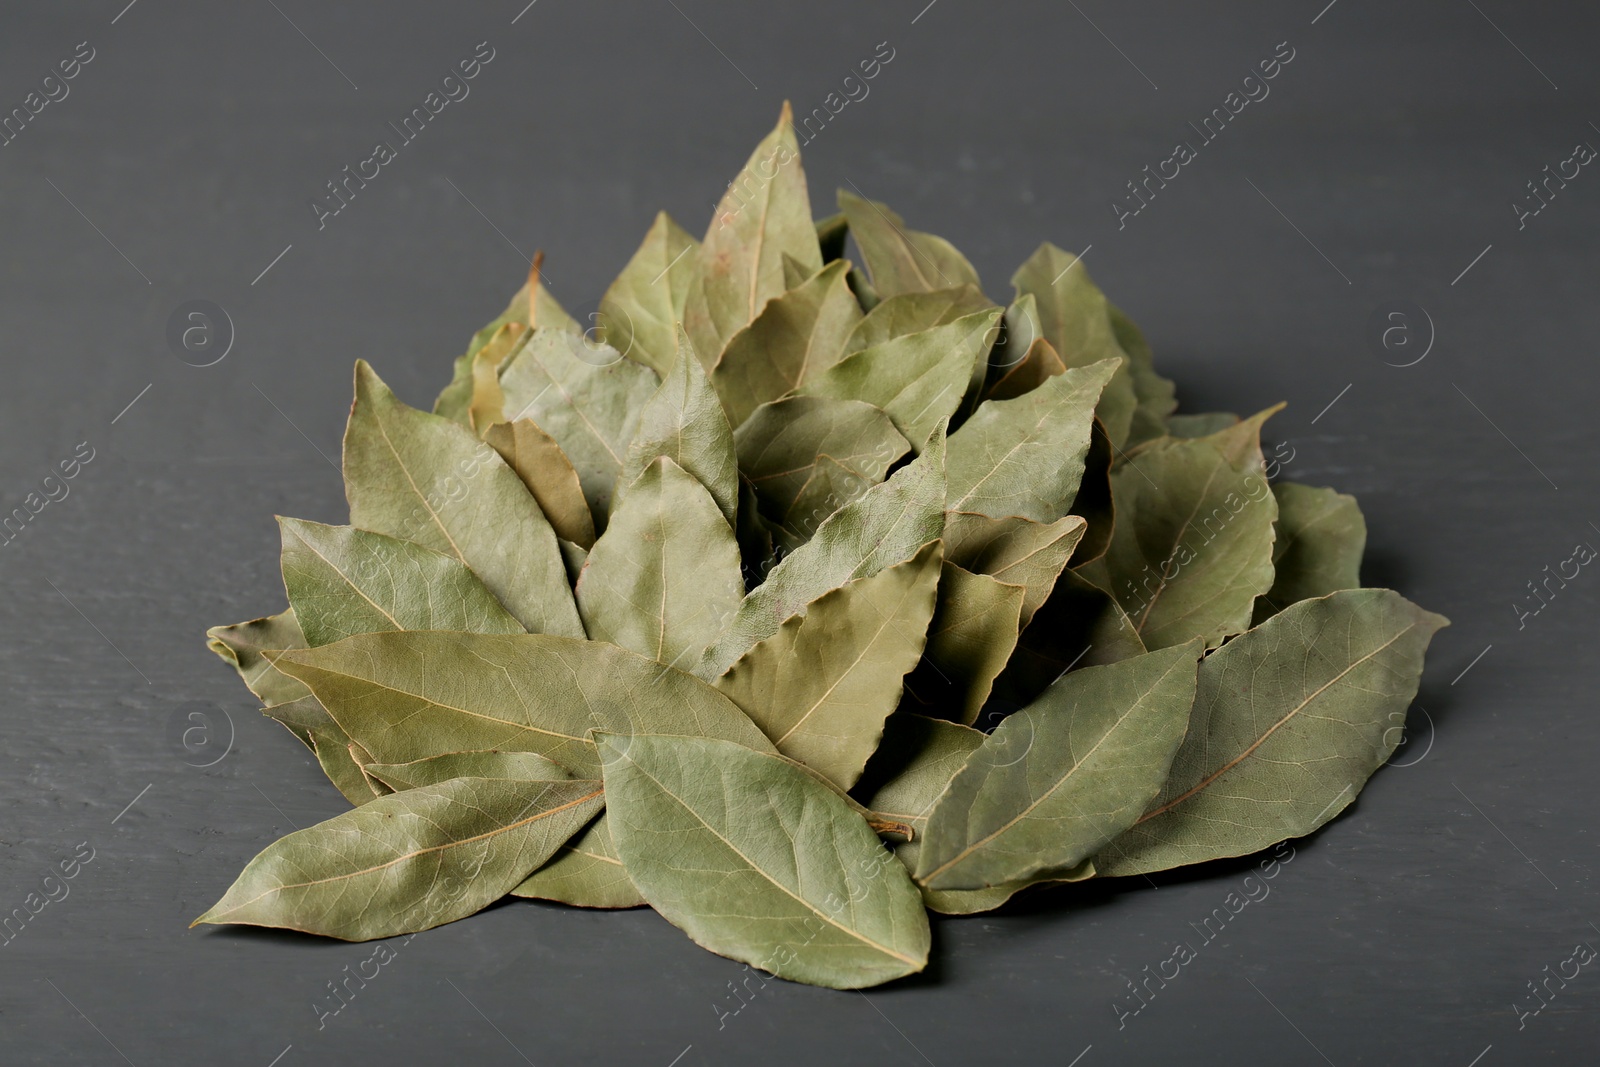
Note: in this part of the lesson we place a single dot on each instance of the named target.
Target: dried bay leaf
(823, 684)
(798, 335)
(909, 313)
(509, 766)
(488, 402)
(779, 445)
(641, 310)
(764, 215)
(664, 578)
(1014, 550)
(409, 695)
(422, 478)
(917, 379)
(344, 581)
(973, 633)
(1062, 777)
(887, 524)
(585, 872)
(683, 420)
(1074, 318)
(410, 861)
(1192, 547)
(1321, 535)
(308, 720)
(902, 260)
(587, 397)
(549, 476)
(1156, 396)
(1026, 456)
(241, 645)
(1289, 721)
(758, 861)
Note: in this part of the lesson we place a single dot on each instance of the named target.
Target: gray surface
(1394, 141)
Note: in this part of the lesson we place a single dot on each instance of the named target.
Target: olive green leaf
(585, 872)
(664, 577)
(1192, 547)
(684, 421)
(549, 476)
(1079, 625)
(422, 478)
(1059, 779)
(376, 787)
(1021, 358)
(902, 260)
(410, 861)
(308, 720)
(918, 379)
(909, 313)
(343, 581)
(241, 645)
(973, 633)
(455, 401)
(765, 214)
(1013, 549)
(510, 766)
(758, 861)
(831, 486)
(641, 310)
(587, 397)
(822, 686)
(798, 335)
(408, 695)
(1289, 721)
(488, 402)
(866, 295)
(1038, 365)
(573, 557)
(1238, 440)
(779, 445)
(1203, 424)
(1026, 456)
(1074, 317)
(887, 524)
(907, 775)
(1321, 535)
(1156, 396)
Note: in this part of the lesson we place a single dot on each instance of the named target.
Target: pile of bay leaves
(805, 600)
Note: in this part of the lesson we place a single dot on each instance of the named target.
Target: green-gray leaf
(902, 260)
(822, 686)
(1320, 538)
(909, 313)
(344, 581)
(413, 694)
(455, 400)
(241, 645)
(765, 214)
(1289, 722)
(918, 379)
(973, 634)
(1074, 316)
(664, 578)
(549, 476)
(885, 525)
(798, 335)
(1013, 549)
(641, 310)
(1026, 456)
(510, 766)
(585, 872)
(423, 478)
(778, 446)
(1192, 546)
(756, 860)
(684, 421)
(587, 397)
(1063, 776)
(1156, 395)
(308, 720)
(408, 862)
